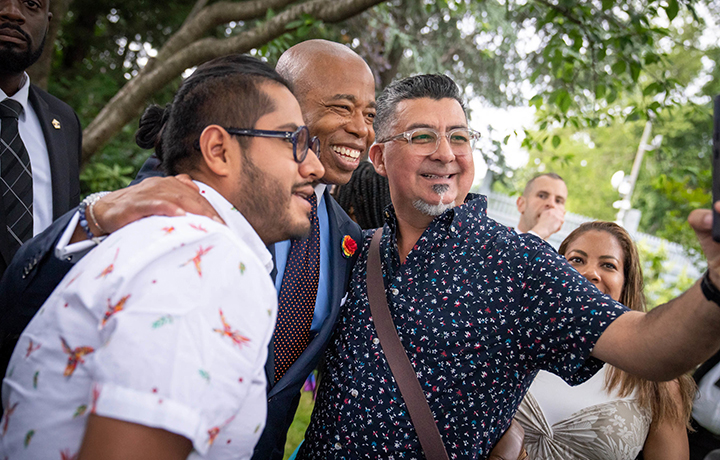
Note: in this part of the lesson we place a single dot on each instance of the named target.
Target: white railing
(502, 208)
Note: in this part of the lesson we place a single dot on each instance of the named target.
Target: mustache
(17, 29)
(297, 187)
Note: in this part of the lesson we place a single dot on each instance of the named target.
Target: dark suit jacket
(284, 396)
(45, 271)
(64, 151)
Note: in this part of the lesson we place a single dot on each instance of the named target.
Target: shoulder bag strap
(405, 376)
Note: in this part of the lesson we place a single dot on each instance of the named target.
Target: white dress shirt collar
(238, 224)
(319, 190)
(20, 96)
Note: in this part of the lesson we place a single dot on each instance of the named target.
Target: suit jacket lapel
(57, 153)
(270, 362)
(340, 225)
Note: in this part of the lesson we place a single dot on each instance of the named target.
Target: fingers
(155, 196)
(187, 180)
(701, 219)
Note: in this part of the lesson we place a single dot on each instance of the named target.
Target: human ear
(377, 156)
(520, 203)
(218, 150)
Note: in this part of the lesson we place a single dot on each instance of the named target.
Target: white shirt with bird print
(165, 324)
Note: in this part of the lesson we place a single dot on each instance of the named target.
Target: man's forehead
(352, 81)
(549, 184)
(411, 114)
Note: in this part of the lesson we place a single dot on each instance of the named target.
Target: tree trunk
(189, 51)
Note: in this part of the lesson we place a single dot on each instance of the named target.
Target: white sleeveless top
(582, 422)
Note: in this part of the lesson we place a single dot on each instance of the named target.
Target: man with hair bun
(154, 345)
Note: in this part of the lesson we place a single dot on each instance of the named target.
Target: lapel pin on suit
(349, 246)
(55, 123)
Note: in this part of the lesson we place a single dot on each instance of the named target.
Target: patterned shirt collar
(237, 223)
(474, 203)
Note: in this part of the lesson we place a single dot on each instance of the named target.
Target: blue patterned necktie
(298, 291)
(15, 176)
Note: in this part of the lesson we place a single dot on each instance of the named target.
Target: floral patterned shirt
(479, 310)
(165, 324)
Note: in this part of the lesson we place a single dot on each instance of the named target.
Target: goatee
(14, 61)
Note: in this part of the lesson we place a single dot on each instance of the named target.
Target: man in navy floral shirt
(478, 308)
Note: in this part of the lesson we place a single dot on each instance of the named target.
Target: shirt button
(395, 291)
(376, 341)
(337, 446)
(354, 393)
(452, 228)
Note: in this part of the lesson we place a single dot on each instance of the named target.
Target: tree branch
(212, 16)
(131, 99)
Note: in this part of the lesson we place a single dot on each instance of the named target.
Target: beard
(14, 61)
(434, 210)
(261, 197)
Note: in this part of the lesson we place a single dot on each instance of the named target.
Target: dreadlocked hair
(365, 196)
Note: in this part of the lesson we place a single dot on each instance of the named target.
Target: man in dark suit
(336, 92)
(48, 128)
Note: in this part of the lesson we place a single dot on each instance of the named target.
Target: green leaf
(556, 141)
(303, 31)
(635, 70)
(600, 90)
(536, 101)
(651, 58)
(563, 100)
(607, 4)
(652, 89)
(610, 98)
(672, 9)
(294, 24)
(619, 67)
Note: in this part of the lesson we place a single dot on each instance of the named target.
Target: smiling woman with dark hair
(613, 415)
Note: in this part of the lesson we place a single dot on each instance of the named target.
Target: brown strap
(400, 365)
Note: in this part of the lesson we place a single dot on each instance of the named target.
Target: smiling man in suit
(40, 136)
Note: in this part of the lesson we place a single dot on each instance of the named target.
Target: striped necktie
(15, 176)
(298, 291)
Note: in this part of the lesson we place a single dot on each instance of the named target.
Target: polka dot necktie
(298, 291)
(15, 176)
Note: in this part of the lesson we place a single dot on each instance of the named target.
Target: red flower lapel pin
(349, 246)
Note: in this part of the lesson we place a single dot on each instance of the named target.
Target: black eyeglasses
(300, 138)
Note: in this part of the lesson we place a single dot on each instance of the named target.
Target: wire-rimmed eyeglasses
(426, 141)
(300, 138)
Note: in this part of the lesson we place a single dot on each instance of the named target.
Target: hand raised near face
(549, 222)
(155, 196)
(701, 221)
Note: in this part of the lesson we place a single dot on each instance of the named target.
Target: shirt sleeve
(75, 251)
(567, 314)
(185, 350)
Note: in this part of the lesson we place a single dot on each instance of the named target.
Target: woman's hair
(365, 197)
(225, 91)
(657, 396)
